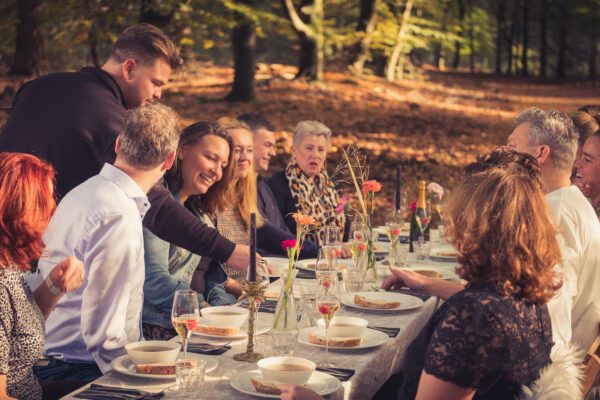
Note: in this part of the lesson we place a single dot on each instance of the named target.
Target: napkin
(391, 332)
(342, 374)
(101, 392)
(216, 352)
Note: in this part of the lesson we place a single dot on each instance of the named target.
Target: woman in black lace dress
(494, 336)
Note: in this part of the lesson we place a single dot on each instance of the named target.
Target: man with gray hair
(100, 223)
(552, 138)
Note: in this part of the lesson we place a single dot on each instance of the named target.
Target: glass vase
(286, 316)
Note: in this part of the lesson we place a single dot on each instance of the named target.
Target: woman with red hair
(26, 205)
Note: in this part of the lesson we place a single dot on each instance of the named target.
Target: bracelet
(55, 290)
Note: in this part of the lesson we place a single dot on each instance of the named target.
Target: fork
(207, 346)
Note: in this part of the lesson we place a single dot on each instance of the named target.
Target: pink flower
(396, 232)
(436, 190)
(288, 244)
(413, 206)
(371, 186)
(425, 221)
(362, 247)
(341, 205)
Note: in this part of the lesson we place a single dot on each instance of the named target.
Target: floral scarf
(317, 198)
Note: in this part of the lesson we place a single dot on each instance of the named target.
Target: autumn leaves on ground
(432, 125)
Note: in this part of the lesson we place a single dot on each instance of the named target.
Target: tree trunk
(543, 38)
(439, 56)
(525, 5)
(366, 24)
(471, 41)
(457, 44)
(149, 13)
(243, 41)
(561, 68)
(499, 34)
(30, 53)
(593, 52)
(512, 37)
(390, 72)
(93, 45)
(312, 39)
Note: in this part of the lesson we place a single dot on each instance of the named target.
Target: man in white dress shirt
(552, 139)
(100, 222)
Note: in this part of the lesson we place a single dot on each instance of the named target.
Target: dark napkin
(411, 292)
(342, 374)
(101, 392)
(267, 306)
(391, 332)
(198, 350)
(304, 274)
(385, 239)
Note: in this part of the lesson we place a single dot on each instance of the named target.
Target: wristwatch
(55, 290)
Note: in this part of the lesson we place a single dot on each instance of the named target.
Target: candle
(252, 266)
(398, 184)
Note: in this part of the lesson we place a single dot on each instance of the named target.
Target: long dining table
(372, 367)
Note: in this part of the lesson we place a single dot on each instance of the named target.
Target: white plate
(371, 338)
(382, 248)
(262, 328)
(444, 272)
(406, 302)
(276, 264)
(310, 263)
(440, 254)
(320, 382)
(124, 365)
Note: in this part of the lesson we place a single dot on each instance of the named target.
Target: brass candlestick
(253, 291)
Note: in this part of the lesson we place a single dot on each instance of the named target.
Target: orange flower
(371, 186)
(301, 219)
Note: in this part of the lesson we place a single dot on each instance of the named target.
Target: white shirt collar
(128, 185)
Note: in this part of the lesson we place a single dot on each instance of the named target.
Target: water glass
(189, 377)
(308, 289)
(398, 257)
(283, 341)
(353, 280)
(422, 250)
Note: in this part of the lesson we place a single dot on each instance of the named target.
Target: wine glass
(185, 315)
(423, 218)
(324, 261)
(333, 239)
(393, 228)
(328, 302)
(358, 241)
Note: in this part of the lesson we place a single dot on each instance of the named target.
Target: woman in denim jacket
(199, 178)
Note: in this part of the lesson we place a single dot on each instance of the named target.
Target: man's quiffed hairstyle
(146, 43)
(149, 135)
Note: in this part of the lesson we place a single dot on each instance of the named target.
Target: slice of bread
(429, 273)
(217, 330)
(265, 386)
(316, 338)
(372, 303)
(160, 368)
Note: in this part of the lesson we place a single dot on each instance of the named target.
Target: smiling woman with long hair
(199, 179)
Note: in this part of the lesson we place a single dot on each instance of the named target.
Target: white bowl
(153, 351)
(278, 369)
(345, 326)
(225, 316)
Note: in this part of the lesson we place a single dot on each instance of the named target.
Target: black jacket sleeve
(171, 221)
(281, 191)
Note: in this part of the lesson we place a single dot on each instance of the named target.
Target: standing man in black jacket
(72, 120)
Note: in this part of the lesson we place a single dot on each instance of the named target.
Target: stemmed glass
(333, 239)
(423, 218)
(328, 302)
(393, 228)
(358, 241)
(325, 261)
(185, 315)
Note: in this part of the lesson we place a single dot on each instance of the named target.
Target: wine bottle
(419, 214)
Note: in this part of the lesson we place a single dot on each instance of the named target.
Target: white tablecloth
(373, 366)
